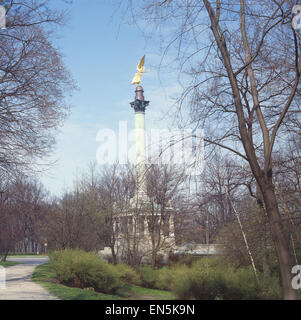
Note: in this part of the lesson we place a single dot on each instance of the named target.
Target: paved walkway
(18, 281)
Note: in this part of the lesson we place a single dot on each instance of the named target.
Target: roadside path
(19, 285)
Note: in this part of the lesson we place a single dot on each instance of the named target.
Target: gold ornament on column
(141, 69)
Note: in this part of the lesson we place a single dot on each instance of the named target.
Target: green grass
(27, 255)
(140, 293)
(45, 276)
(6, 264)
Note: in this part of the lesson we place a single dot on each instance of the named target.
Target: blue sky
(102, 55)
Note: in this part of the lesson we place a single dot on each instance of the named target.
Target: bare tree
(164, 183)
(22, 205)
(115, 187)
(9, 231)
(33, 85)
(27, 198)
(77, 219)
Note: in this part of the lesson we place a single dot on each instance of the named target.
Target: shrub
(241, 284)
(209, 279)
(156, 278)
(61, 262)
(188, 260)
(198, 281)
(127, 274)
(148, 276)
(271, 288)
(82, 269)
(164, 278)
(182, 282)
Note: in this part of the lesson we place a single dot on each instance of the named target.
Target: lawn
(27, 255)
(6, 264)
(45, 276)
(139, 293)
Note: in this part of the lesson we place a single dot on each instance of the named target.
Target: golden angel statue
(141, 69)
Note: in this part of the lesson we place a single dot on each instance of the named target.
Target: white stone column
(172, 227)
(140, 153)
(146, 233)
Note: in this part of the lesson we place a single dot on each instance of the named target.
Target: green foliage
(6, 264)
(140, 293)
(77, 268)
(164, 278)
(45, 276)
(271, 288)
(148, 276)
(187, 260)
(81, 269)
(127, 274)
(209, 279)
(195, 283)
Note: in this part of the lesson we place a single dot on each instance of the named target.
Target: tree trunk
(281, 243)
(154, 259)
(265, 257)
(114, 257)
(244, 235)
(262, 220)
(265, 265)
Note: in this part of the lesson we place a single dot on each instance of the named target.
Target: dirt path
(18, 281)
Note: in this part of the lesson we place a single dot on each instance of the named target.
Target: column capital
(139, 105)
